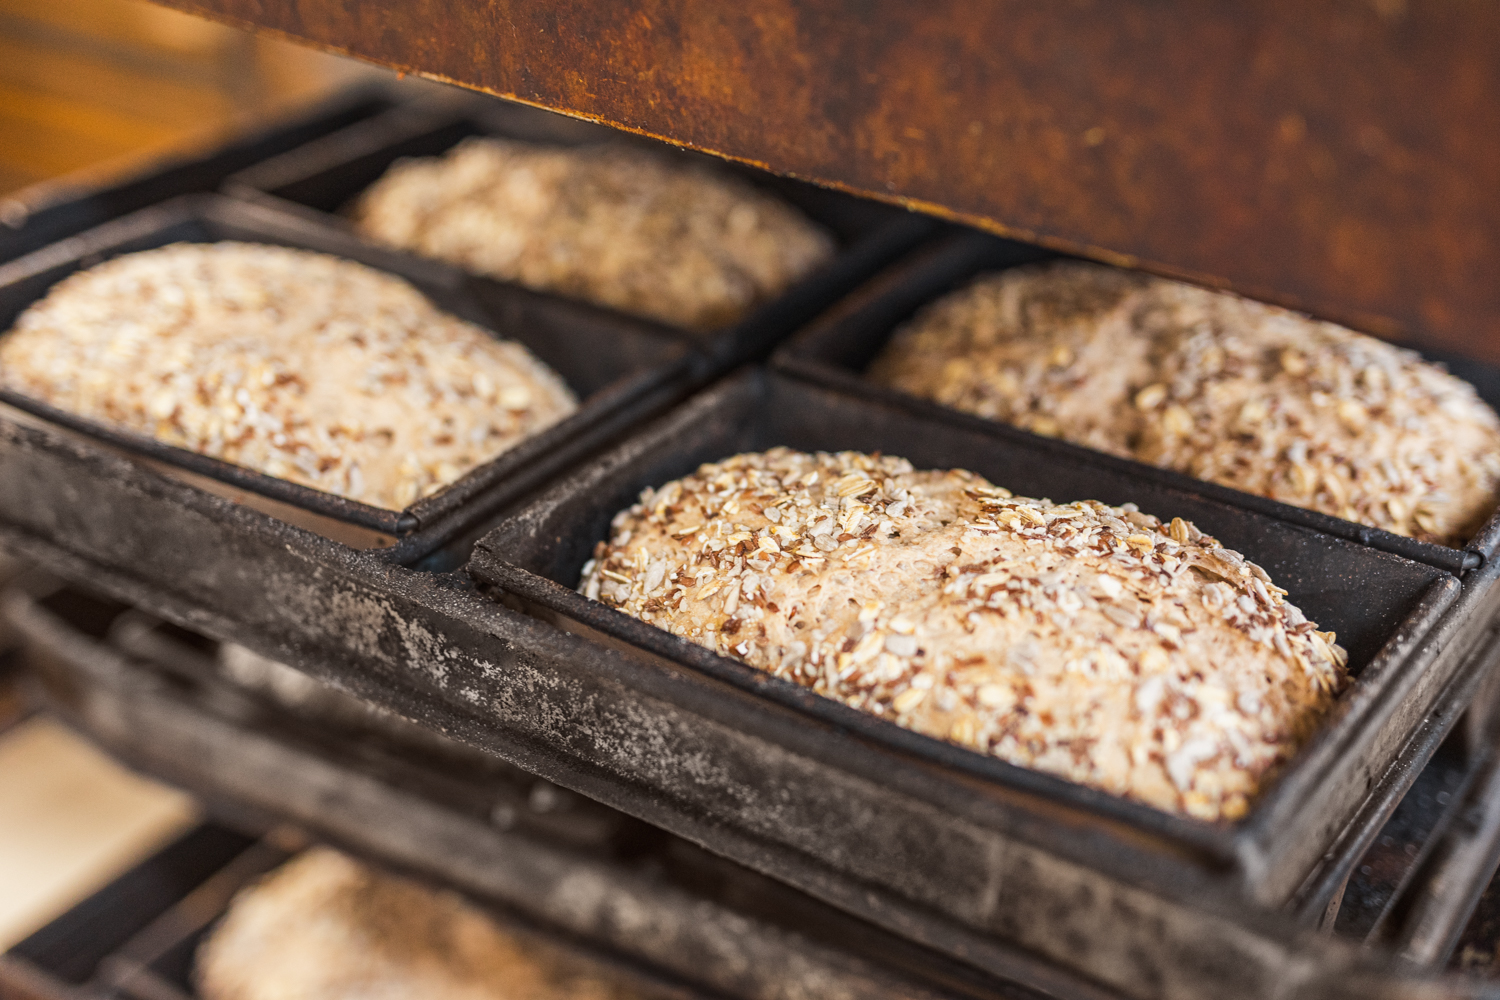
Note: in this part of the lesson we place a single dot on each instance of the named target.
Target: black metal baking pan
(619, 369)
(920, 850)
(159, 698)
(1384, 608)
(34, 217)
(836, 350)
(328, 173)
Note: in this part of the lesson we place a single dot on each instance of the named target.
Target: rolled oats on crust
(1236, 392)
(1092, 642)
(299, 365)
(610, 224)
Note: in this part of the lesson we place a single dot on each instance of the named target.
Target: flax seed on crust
(611, 224)
(300, 365)
(1236, 392)
(1092, 642)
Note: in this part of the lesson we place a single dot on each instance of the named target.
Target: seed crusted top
(1225, 389)
(300, 365)
(1092, 642)
(610, 224)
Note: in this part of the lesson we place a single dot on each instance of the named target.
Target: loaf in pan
(1247, 395)
(365, 394)
(1304, 420)
(304, 366)
(733, 258)
(1097, 643)
(324, 926)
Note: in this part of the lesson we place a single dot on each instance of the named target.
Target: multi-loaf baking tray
(326, 175)
(619, 368)
(1418, 644)
(838, 348)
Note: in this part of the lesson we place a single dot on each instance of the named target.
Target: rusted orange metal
(1343, 155)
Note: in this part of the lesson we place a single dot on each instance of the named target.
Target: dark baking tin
(619, 368)
(152, 695)
(34, 217)
(836, 349)
(327, 174)
(1386, 610)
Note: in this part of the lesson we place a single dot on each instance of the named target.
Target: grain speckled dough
(324, 927)
(610, 224)
(1236, 392)
(301, 365)
(1091, 642)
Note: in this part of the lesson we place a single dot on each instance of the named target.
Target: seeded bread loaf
(324, 927)
(1087, 641)
(610, 224)
(1225, 389)
(300, 365)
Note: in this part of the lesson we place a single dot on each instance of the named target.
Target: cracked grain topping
(610, 224)
(325, 927)
(299, 365)
(1091, 642)
(1236, 392)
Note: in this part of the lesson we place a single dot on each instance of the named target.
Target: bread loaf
(324, 927)
(1236, 392)
(611, 224)
(1092, 642)
(300, 365)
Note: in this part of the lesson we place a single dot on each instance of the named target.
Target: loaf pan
(1384, 607)
(34, 217)
(158, 698)
(836, 350)
(326, 175)
(618, 368)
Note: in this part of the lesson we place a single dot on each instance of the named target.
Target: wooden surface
(1343, 155)
(95, 84)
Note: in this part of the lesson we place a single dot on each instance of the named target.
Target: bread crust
(1091, 642)
(610, 224)
(1236, 392)
(300, 365)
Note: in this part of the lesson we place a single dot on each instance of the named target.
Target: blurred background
(99, 85)
(93, 88)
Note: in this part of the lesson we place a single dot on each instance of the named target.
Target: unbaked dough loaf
(1091, 642)
(301, 365)
(324, 927)
(610, 224)
(1225, 389)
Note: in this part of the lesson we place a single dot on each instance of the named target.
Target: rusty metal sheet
(1342, 156)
